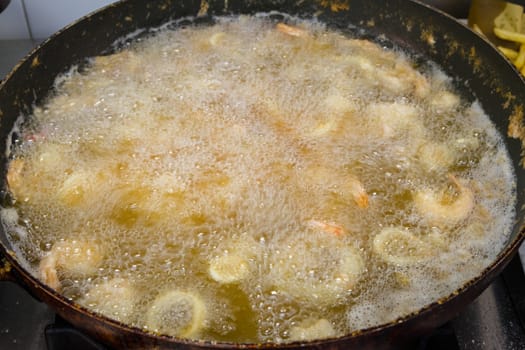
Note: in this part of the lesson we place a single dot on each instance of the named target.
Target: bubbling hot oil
(258, 168)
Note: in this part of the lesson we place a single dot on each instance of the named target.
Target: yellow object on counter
(520, 60)
(510, 19)
(509, 53)
(503, 23)
(510, 36)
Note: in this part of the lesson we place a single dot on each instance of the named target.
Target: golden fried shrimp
(421, 85)
(345, 185)
(357, 189)
(115, 298)
(232, 263)
(435, 156)
(229, 268)
(324, 128)
(72, 258)
(331, 228)
(443, 209)
(399, 246)
(291, 30)
(320, 275)
(395, 119)
(14, 178)
(338, 104)
(312, 329)
(399, 79)
(81, 186)
(123, 60)
(47, 270)
(404, 76)
(444, 100)
(217, 38)
(337, 107)
(177, 313)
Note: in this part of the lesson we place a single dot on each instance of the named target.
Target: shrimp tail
(359, 193)
(48, 272)
(362, 200)
(331, 228)
(291, 30)
(429, 204)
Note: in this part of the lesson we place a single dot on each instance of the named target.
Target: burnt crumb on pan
(516, 129)
(203, 10)
(36, 62)
(336, 5)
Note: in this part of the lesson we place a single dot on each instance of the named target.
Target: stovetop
(495, 320)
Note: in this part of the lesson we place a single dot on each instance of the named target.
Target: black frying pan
(479, 72)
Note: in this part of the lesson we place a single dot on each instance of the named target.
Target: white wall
(12, 22)
(38, 19)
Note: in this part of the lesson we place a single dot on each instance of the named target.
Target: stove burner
(442, 338)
